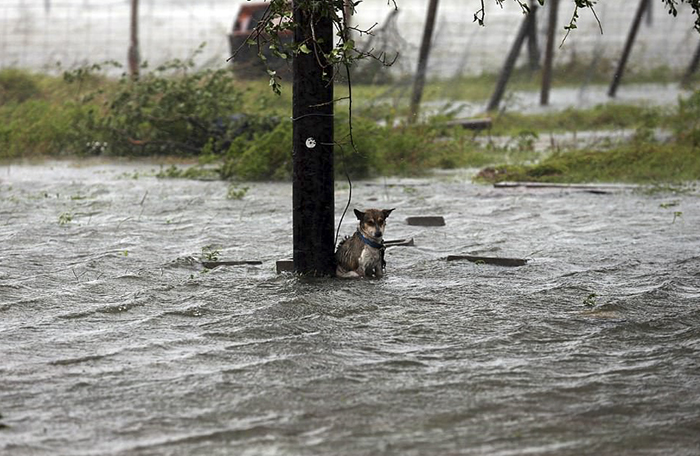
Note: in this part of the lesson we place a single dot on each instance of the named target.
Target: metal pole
(312, 142)
(509, 64)
(617, 77)
(549, 52)
(423, 55)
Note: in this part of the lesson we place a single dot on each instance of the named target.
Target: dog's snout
(377, 233)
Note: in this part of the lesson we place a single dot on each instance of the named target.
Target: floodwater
(115, 341)
(563, 98)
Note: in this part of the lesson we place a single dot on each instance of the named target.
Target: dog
(362, 254)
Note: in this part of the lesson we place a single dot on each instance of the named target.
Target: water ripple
(115, 340)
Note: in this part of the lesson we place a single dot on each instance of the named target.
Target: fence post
(692, 67)
(549, 52)
(423, 55)
(617, 77)
(509, 64)
(133, 53)
(533, 48)
(312, 146)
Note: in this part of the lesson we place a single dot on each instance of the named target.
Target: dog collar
(370, 242)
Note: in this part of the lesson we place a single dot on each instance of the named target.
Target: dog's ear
(359, 214)
(386, 212)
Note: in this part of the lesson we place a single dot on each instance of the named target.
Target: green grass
(91, 115)
(641, 160)
(635, 163)
(478, 88)
(601, 117)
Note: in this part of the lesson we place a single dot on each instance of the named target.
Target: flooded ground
(115, 341)
(563, 98)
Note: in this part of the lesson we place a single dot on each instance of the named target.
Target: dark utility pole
(617, 77)
(133, 54)
(549, 52)
(312, 138)
(424, 52)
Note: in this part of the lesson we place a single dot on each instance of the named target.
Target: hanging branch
(277, 21)
(671, 5)
(574, 18)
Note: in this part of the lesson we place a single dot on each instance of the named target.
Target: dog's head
(373, 222)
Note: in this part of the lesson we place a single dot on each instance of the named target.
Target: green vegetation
(235, 192)
(642, 163)
(211, 253)
(65, 218)
(642, 160)
(590, 300)
(17, 86)
(601, 117)
(478, 88)
(192, 172)
(240, 131)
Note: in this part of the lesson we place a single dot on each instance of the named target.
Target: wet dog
(362, 254)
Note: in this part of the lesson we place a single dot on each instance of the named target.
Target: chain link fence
(41, 34)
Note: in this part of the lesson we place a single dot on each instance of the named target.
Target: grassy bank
(177, 112)
(643, 159)
(633, 163)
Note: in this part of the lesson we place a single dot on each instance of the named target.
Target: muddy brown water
(115, 341)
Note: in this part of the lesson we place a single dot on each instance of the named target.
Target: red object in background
(246, 61)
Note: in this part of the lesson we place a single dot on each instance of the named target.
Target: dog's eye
(370, 223)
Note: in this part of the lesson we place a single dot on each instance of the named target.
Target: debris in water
(426, 221)
(510, 262)
(216, 264)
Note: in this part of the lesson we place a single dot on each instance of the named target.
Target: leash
(345, 170)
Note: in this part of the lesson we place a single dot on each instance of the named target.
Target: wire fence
(460, 46)
(41, 34)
